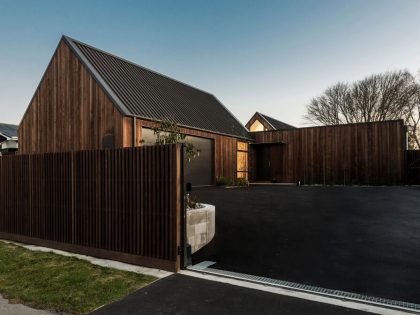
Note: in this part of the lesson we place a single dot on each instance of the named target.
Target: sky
(266, 56)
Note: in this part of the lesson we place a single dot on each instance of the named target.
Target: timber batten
(121, 204)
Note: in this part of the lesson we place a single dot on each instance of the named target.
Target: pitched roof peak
(274, 123)
(144, 93)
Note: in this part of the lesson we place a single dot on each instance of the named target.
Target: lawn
(65, 284)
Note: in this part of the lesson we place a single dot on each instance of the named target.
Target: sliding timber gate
(122, 204)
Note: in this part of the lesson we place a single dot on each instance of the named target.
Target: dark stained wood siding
(368, 153)
(69, 111)
(122, 204)
(224, 146)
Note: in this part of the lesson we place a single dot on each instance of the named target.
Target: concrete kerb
(97, 261)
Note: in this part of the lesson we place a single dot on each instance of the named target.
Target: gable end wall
(261, 120)
(69, 110)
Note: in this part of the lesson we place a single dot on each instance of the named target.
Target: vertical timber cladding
(122, 204)
(225, 147)
(69, 111)
(365, 153)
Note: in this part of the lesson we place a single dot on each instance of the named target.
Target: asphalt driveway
(358, 239)
(185, 295)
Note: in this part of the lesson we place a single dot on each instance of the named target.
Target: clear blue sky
(270, 56)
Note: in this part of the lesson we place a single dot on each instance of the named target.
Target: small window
(242, 160)
(256, 126)
(242, 146)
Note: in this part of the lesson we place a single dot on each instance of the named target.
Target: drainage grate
(307, 288)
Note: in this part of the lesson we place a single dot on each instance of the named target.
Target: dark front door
(277, 174)
(263, 163)
(269, 162)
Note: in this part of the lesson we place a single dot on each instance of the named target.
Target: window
(257, 126)
(242, 160)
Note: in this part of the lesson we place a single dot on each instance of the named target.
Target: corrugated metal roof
(277, 124)
(9, 130)
(143, 93)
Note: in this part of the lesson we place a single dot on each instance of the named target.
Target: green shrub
(192, 201)
(223, 181)
(241, 182)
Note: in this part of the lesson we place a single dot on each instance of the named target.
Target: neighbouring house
(261, 122)
(8, 138)
(90, 99)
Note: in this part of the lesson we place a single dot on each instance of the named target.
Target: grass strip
(59, 283)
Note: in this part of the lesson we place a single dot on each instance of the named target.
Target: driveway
(180, 294)
(359, 239)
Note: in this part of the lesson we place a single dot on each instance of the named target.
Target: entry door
(263, 163)
(276, 163)
(269, 163)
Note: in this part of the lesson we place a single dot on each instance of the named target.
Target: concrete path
(18, 309)
(179, 294)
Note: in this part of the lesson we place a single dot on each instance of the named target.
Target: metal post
(134, 132)
(186, 249)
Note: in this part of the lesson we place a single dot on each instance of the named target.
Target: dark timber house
(90, 99)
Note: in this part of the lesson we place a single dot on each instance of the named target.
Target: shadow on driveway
(180, 294)
(358, 239)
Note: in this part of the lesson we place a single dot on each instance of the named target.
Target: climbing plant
(168, 132)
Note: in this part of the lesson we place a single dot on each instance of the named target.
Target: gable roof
(276, 124)
(9, 130)
(143, 93)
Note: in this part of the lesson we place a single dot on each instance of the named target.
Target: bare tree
(379, 97)
(412, 120)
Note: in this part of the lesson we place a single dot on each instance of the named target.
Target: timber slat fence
(122, 204)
